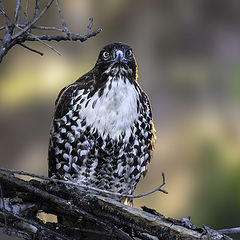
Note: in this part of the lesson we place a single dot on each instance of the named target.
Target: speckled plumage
(102, 133)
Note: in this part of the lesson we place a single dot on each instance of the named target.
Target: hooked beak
(119, 56)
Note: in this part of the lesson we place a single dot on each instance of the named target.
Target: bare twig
(24, 34)
(213, 234)
(6, 17)
(85, 186)
(26, 12)
(34, 20)
(17, 10)
(31, 49)
(155, 190)
(58, 38)
(37, 7)
(3, 12)
(40, 40)
(48, 28)
(230, 230)
(36, 38)
(145, 236)
(89, 25)
(62, 20)
(58, 30)
(24, 173)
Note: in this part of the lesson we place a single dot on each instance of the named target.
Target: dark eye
(106, 54)
(129, 52)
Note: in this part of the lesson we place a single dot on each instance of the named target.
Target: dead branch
(230, 230)
(80, 186)
(19, 33)
(31, 49)
(86, 215)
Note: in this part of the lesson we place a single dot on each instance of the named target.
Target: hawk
(102, 133)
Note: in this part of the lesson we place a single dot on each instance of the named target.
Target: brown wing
(62, 106)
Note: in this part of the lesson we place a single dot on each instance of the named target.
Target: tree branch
(36, 38)
(17, 10)
(26, 12)
(66, 30)
(31, 49)
(85, 214)
(37, 7)
(230, 230)
(25, 28)
(80, 186)
(35, 19)
(59, 38)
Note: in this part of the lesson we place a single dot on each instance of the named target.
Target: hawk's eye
(106, 54)
(129, 53)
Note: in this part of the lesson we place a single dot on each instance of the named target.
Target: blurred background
(188, 55)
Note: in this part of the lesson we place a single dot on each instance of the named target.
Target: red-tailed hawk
(102, 133)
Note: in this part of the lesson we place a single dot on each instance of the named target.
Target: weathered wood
(85, 215)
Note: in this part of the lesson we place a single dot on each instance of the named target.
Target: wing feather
(62, 106)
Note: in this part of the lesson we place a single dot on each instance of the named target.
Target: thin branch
(40, 40)
(155, 190)
(145, 236)
(58, 38)
(3, 13)
(24, 34)
(26, 12)
(31, 49)
(17, 10)
(31, 37)
(51, 29)
(78, 185)
(48, 28)
(34, 20)
(89, 25)
(230, 230)
(213, 234)
(66, 30)
(37, 7)
(24, 173)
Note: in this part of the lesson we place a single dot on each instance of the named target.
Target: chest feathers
(114, 111)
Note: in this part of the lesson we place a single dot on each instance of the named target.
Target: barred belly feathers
(102, 133)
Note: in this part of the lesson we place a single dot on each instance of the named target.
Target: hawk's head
(117, 59)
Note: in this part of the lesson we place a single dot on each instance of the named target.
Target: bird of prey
(102, 133)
